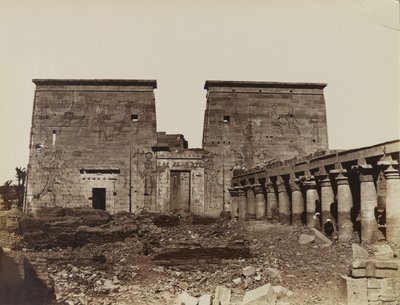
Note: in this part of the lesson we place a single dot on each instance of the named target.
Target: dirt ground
(159, 257)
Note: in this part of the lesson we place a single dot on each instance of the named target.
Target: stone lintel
(95, 82)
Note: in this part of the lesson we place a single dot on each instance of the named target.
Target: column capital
(233, 192)
(280, 183)
(391, 173)
(364, 171)
(308, 181)
(257, 188)
(240, 191)
(322, 174)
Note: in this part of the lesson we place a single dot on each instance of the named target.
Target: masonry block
(354, 291)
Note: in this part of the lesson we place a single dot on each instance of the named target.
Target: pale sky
(353, 45)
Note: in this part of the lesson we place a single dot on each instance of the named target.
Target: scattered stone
(205, 299)
(359, 252)
(223, 295)
(257, 278)
(249, 271)
(306, 239)
(186, 299)
(237, 281)
(279, 291)
(263, 295)
(273, 272)
(109, 286)
(382, 251)
(247, 282)
(115, 280)
(321, 237)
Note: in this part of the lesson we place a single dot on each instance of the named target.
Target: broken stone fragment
(186, 299)
(321, 237)
(263, 295)
(279, 291)
(237, 281)
(205, 299)
(223, 295)
(382, 251)
(306, 239)
(249, 271)
(273, 272)
(359, 252)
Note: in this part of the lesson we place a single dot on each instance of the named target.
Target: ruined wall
(92, 134)
(252, 123)
(187, 166)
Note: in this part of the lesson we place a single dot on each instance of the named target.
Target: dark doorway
(99, 198)
(180, 190)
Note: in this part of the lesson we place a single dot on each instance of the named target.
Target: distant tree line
(13, 193)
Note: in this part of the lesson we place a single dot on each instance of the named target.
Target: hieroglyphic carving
(213, 183)
(148, 175)
(292, 122)
(314, 128)
(54, 176)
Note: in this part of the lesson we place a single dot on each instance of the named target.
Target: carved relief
(149, 181)
(54, 176)
(212, 176)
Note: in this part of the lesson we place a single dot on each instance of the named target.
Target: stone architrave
(297, 201)
(259, 201)
(284, 202)
(368, 201)
(311, 199)
(344, 203)
(392, 200)
(242, 204)
(251, 201)
(272, 200)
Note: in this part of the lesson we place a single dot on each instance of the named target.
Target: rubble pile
(167, 259)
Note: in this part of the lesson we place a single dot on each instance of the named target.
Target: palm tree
(21, 178)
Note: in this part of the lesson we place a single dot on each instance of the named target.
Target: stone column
(251, 201)
(311, 198)
(327, 195)
(392, 201)
(297, 202)
(234, 202)
(272, 200)
(344, 203)
(283, 202)
(242, 200)
(259, 201)
(368, 200)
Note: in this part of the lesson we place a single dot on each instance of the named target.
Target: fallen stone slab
(248, 271)
(186, 299)
(223, 295)
(321, 237)
(359, 252)
(306, 239)
(237, 281)
(383, 251)
(263, 295)
(354, 291)
(205, 299)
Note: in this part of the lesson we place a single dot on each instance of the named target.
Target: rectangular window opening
(134, 117)
(226, 119)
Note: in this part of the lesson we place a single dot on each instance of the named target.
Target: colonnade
(343, 193)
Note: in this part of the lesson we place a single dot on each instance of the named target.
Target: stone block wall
(249, 124)
(92, 134)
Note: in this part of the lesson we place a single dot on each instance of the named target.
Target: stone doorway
(180, 190)
(99, 198)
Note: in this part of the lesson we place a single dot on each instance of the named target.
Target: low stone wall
(373, 280)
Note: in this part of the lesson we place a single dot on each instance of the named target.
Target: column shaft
(345, 203)
(311, 203)
(260, 204)
(251, 202)
(297, 206)
(272, 202)
(283, 203)
(242, 205)
(392, 205)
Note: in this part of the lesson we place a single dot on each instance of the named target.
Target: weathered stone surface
(263, 295)
(186, 299)
(273, 272)
(382, 251)
(223, 295)
(306, 239)
(359, 252)
(248, 271)
(205, 299)
(321, 237)
(237, 281)
(280, 291)
(354, 291)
